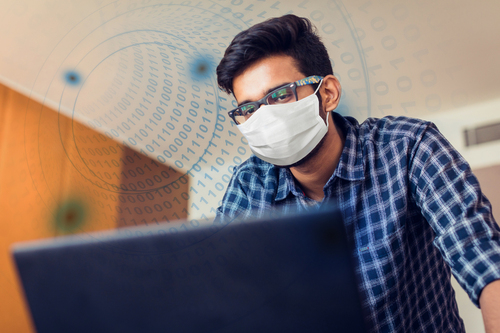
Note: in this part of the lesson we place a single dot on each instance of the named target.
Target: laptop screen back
(288, 274)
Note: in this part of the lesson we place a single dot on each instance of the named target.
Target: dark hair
(288, 35)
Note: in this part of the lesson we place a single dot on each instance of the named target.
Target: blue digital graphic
(149, 89)
(72, 78)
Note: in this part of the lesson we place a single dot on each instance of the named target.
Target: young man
(409, 200)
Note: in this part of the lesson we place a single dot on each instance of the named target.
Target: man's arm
(490, 306)
(451, 200)
(235, 201)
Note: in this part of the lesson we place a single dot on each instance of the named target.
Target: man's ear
(330, 92)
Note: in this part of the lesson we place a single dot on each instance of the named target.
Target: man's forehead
(261, 77)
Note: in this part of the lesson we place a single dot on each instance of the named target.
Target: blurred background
(110, 115)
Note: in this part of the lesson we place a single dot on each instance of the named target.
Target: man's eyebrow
(265, 92)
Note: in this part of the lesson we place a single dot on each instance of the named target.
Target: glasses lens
(244, 112)
(281, 96)
(245, 109)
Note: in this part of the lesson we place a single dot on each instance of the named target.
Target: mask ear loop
(327, 115)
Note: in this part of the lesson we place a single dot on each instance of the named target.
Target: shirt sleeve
(451, 200)
(235, 201)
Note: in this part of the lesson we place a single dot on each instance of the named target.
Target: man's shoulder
(391, 128)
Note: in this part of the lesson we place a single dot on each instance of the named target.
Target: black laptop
(286, 273)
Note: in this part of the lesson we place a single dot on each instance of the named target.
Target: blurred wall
(489, 178)
(58, 177)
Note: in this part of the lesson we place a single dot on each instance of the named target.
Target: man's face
(266, 75)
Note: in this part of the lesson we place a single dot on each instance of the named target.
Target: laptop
(283, 273)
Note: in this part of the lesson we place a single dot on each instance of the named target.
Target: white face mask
(284, 134)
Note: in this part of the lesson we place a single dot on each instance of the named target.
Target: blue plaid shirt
(410, 204)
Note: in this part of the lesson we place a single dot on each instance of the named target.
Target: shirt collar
(285, 184)
(350, 167)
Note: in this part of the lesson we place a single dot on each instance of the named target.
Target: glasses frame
(302, 82)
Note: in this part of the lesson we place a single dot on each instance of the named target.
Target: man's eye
(281, 96)
(247, 109)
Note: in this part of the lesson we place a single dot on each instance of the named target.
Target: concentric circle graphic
(144, 127)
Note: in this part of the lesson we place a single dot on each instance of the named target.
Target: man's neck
(315, 173)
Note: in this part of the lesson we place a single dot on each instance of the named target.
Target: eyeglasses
(282, 95)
